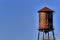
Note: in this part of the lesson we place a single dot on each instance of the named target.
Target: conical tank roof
(45, 9)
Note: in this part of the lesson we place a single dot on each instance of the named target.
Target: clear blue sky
(19, 18)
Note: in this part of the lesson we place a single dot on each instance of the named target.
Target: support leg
(53, 35)
(48, 36)
(43, 34)
(38, 35)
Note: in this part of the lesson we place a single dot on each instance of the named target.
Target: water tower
(45, 22)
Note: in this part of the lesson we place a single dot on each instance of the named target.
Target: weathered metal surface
(43, 22)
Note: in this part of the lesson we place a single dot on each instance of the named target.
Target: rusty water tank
(45, 19)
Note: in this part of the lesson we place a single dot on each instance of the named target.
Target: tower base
(44, 35)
